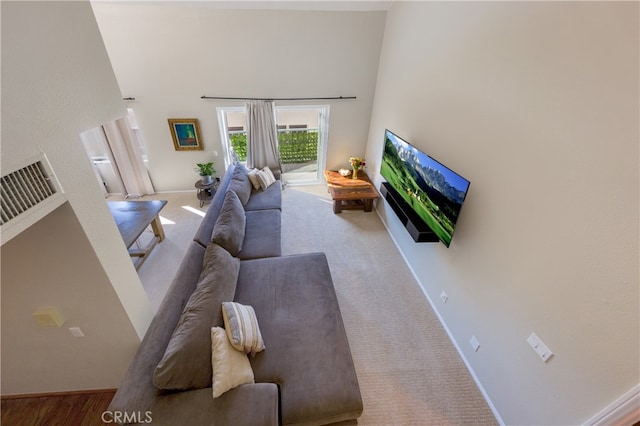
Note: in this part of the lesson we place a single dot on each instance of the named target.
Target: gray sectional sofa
(305, 376)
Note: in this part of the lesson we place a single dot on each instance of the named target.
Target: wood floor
(81, 409)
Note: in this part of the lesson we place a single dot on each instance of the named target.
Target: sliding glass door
(302, 135)
(302, 140)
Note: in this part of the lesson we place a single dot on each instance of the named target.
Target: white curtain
(262, 136)
(126, 159)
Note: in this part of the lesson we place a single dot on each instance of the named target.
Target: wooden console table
(350, 194)
(132, 218)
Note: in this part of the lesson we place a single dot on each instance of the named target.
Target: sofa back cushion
(229, 230)
(203, 234)
(241, 184)
(186, 363)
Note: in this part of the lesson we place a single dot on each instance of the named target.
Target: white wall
(167, 56)
(37, 359)
(537, 105)
(56, 83)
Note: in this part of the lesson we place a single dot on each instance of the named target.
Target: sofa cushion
(308, 352)
(186, 363)
(269, 199)
(247, 405)
(263, 234)
(240, 183)
(231, 368)
(241, 325)
(229, 230)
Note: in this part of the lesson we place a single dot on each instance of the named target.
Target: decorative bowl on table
(344, 172)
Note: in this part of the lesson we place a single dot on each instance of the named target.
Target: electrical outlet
(444, 297)
(474, 343)
(76, 331)
(541, 349)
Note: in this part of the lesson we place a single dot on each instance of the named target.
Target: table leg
(368, 205)
(337, 206)
(158, 231)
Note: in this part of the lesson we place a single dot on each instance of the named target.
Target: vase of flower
(356, 164)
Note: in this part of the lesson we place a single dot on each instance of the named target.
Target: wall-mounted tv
(430, 193)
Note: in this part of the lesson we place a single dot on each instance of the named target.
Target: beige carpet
(409, 371)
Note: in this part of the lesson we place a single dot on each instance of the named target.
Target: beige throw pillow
(231, 368)
(253, 177)
(265, 177)
(241, 325)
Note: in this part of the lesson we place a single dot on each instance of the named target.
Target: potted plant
(206, 170)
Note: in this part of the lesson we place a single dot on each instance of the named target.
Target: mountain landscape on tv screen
(431, 177)
(424, 187)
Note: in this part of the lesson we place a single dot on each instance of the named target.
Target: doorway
(119, 157)
(302, 140)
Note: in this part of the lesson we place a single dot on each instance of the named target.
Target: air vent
(24, 189)
(27, 194)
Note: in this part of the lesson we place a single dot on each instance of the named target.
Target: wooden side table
(348, 193)
(205, 191)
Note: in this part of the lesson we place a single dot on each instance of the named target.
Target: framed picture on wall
(186, 134)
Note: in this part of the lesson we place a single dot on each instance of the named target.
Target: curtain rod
(278, 99)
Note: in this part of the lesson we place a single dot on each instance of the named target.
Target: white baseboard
(494, 410)
(624, 411)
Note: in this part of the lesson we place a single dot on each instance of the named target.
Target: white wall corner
(624, 411)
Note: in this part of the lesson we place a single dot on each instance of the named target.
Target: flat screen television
(433, 192)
